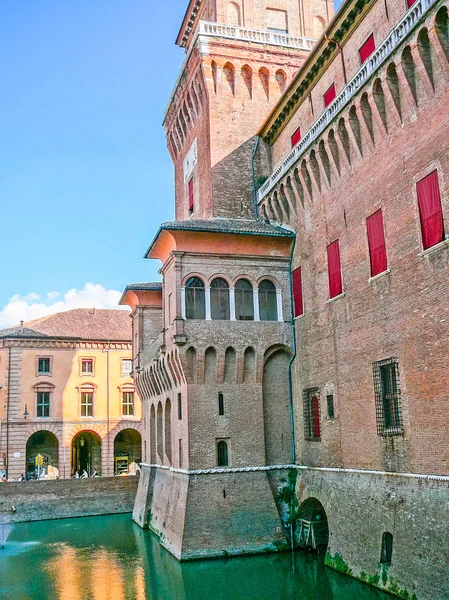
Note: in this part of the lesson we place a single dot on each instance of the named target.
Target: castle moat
(110, 558)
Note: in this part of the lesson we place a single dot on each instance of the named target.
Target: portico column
(207, 296)
(256, 304)
(232, 303)
(279, 305)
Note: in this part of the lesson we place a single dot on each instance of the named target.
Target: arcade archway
(127, 451)
(86, 453)
(312, 529)
(42, 456)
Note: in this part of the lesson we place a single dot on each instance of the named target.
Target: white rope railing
(219, 470)
(408, 22)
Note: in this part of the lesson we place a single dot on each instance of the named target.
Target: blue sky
(85, 177)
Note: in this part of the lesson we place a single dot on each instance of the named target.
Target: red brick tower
(241, 56)
(212, 351)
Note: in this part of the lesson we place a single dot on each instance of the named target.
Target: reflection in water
(110, 558)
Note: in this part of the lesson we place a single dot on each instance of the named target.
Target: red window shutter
(334, 269)
(410, 3)
(191, 196)
(430, 210)
(367, 49)
(316, 417)
(329, 95)
(376, 243)
(296, 137)
(297, 292)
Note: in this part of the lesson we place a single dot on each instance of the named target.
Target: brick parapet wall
(61, 499)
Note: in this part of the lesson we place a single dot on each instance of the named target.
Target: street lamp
(26, 413)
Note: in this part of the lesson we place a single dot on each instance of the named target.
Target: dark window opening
(191, 196)
(267, 301)
(311, 407)
(219, 300)
(330, 406)
(43, 366)
(387, 548)
(179, 407)
(220, 404)
(244, 301)
(43, 404)
(387, 396)
(222, 454)
(195, 299)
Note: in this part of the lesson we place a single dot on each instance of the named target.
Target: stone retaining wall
(41, 500)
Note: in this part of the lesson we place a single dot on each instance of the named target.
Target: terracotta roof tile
(80, 323)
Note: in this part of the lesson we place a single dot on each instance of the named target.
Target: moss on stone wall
(377, 579)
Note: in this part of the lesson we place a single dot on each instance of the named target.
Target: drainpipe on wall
(292, 358)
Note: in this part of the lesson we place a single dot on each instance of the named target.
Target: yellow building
(67, 396)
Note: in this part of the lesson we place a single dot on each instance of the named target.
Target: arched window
(247, 76)
(229, 73)
(267, 301)
(220, 403)
(281, 79)
(387, 548)
(167, 430)
(159, 433)
(264, 76)
(244, 304)
(195, 299)
(219, 300)
(222, 454)
(233, 13)
(318, 27)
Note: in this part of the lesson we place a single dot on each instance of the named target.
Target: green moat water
(110, 558)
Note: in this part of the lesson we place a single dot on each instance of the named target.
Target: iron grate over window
(388, 397)
(311, 410)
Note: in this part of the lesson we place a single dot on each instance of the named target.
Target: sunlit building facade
(67, 399)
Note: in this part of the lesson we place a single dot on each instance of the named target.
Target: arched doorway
(86, 453)
(127, 451)
(46, 445)
(312, 529)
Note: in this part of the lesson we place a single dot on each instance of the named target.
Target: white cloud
(31, 306)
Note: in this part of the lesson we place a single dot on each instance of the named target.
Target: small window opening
(220, 404)
(387, 548)
(222, 454)
(330, 406)
(179, 407)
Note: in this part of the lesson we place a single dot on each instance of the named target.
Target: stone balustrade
(408, 22)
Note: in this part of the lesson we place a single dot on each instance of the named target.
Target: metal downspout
(290, 364)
